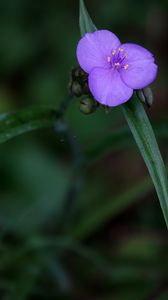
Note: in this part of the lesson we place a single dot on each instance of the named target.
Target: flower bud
(78, 73)
(88, 105)
(146, 96)
(76, 89)
(86, 90)
(78, 85)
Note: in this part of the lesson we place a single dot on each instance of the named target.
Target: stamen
(113, 52)
(117, 64)
(125, 55)
(109, 59)
(126, 67)
(120, 49)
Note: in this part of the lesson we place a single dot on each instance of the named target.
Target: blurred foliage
(79, 218)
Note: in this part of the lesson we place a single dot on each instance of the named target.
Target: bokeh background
(69, 230)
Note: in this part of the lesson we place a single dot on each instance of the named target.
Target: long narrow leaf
(144, 136)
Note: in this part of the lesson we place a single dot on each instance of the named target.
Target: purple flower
(114, 70)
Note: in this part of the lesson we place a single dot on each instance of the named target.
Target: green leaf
(144, 136)
(15, 123)
(85, 22)
(109, 209)
(142, 131)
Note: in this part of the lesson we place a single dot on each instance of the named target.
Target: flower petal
(141, 70)
(94, 48)
(108, 88)
(136, 52)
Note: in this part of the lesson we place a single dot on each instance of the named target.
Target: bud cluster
(146, 96)
(78, 86)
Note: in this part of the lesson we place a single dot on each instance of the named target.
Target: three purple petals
(114, 70)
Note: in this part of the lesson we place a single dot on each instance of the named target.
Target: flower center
(117, 60)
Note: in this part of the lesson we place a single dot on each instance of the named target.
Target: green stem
(144, 136)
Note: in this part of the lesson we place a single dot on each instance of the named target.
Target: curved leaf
(144, 136)
(15, 123)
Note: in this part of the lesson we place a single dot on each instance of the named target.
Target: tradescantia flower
(114, 69)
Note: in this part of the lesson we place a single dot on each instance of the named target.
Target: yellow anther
(117, 64)
(126, 67)
(109, 59)
(125, 55)
(113, 52)
(120, 49)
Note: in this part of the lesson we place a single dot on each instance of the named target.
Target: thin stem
(64, 104)
(78, 167)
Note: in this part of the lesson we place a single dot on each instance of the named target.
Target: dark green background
(109, 241)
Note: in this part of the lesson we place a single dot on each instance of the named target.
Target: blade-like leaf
(15, 123)
(85, 22)
(144, 136)
(142, 131)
